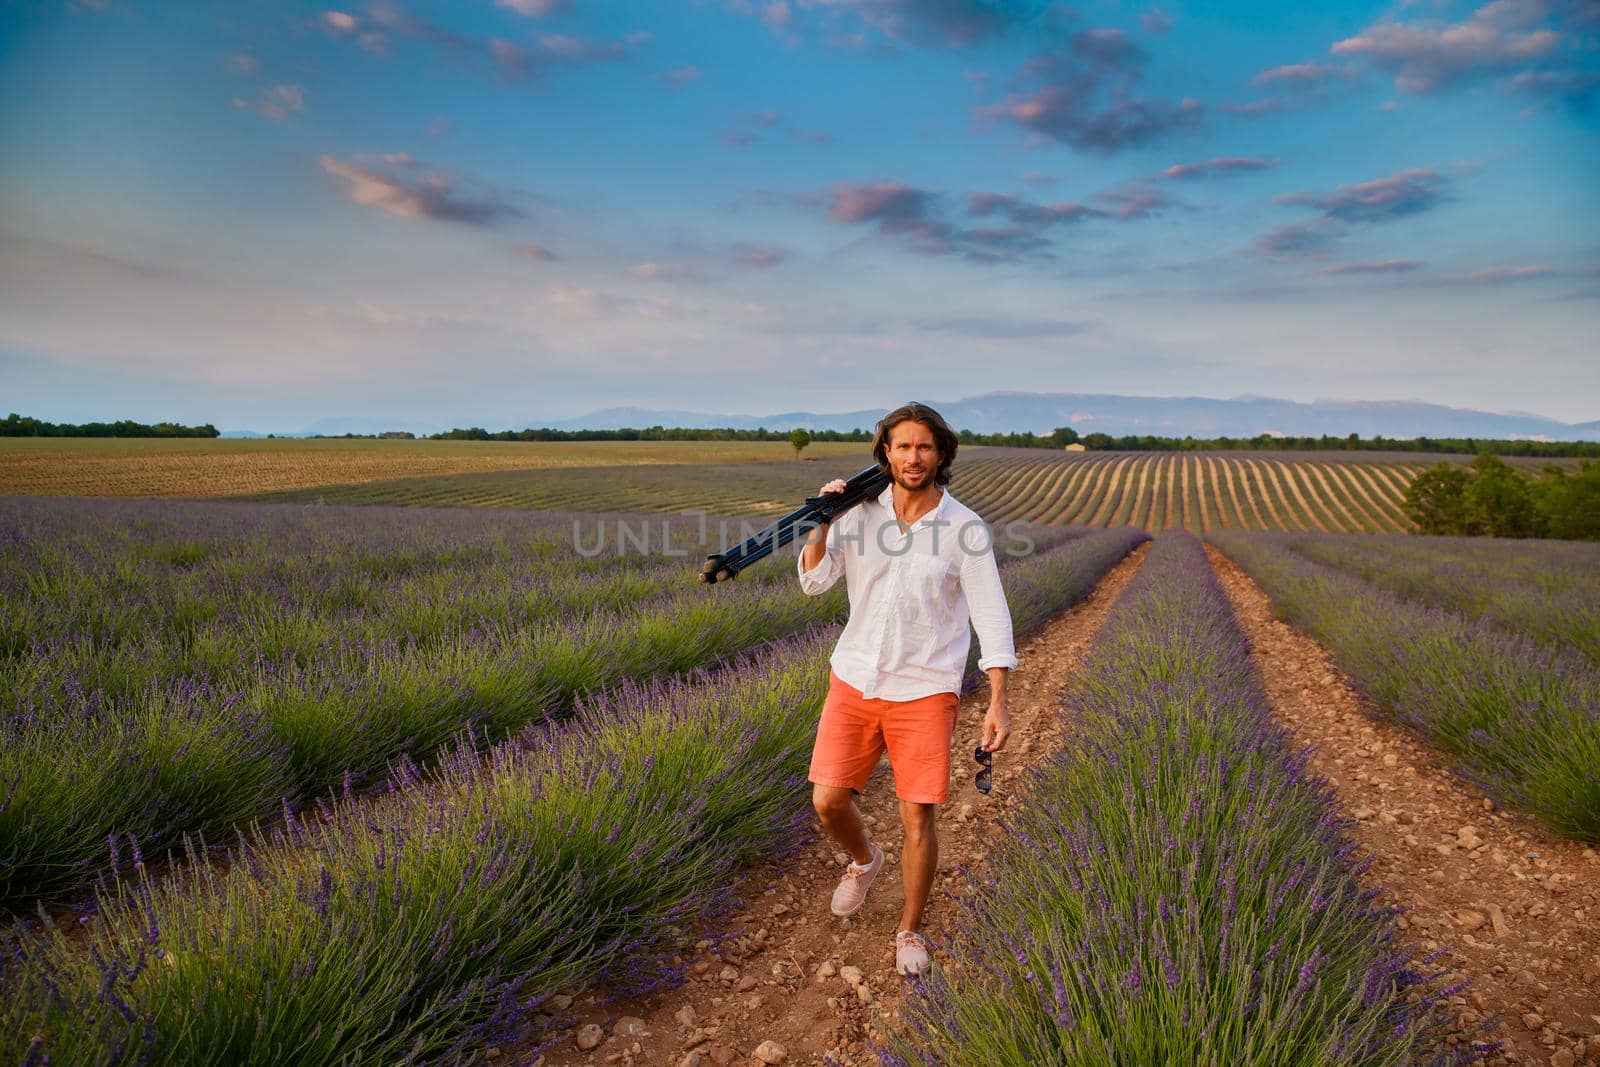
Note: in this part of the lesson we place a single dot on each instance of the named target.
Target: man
(917, 566)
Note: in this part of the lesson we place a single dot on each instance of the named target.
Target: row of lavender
(1178, 887)
(1521, 718)
(1546, 590)
(175, 586)
(417, 926)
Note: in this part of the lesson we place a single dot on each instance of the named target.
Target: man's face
(913, 456)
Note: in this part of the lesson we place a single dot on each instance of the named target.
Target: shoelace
(903, 938)
(852, 872)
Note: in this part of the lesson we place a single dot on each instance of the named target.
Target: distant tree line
(387, 435)
(16, 425)
(1066, 435)
(1100, 442)
(648, 433)
(1492, 499)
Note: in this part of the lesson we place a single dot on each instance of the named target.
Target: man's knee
(918, 820)
(831, 801)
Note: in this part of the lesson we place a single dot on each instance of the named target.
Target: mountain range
(1245, 416)
(1014, 412)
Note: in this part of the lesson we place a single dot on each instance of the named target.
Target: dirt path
(783, 981)
(1514, 906)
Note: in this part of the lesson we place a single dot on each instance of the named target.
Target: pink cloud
(1296, 74)
(681, 77)
(1496, 275)
(1135, 201)
(1387, 266)
(1426, 56)
(881, 201)
(431, 197)
(276, 102)
(385, 19)
(1406, 192)
(761, 255)
(1084, 98)
(1221, 165)
(1296, 240)
(1025, 213)
(538, 253)
(1257, 107)
(1402, 194)
(536, 9)
(666, 272)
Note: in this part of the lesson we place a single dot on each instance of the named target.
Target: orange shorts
(854, 731)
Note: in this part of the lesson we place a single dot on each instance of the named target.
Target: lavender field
(419, 923)
(173, 669)
(1177, 887)
(1486, 651)
(373, 785)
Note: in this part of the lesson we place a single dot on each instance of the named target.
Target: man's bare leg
(920, 858)
(836, 807)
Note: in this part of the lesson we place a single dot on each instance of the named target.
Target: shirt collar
(886, 501)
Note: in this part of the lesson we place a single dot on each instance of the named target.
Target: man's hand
(996, 725)
(819, 532)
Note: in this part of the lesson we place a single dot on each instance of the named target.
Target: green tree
(1570, 503)
(1436, 500)
(1062, 436)
(799, 438)
(1500, 501)
(1097, 442)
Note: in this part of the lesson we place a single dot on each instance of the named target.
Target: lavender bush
(1521, 719)
(1546, 590)
(1177, 887)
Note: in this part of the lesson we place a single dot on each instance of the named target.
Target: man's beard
(917, 481)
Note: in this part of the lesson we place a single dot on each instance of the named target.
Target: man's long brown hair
(944, 438)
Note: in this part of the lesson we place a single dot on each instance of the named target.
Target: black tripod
(725, 565)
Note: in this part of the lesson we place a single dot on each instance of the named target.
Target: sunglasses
(984, 779)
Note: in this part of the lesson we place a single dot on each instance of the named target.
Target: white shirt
(912, 595)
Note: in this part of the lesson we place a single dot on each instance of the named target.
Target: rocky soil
(1514, 906)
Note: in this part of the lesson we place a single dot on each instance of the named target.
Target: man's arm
(991, 619)
(822, 560)
(997, 720)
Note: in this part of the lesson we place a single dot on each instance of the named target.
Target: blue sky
(506, 211)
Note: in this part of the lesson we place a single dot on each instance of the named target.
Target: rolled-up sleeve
(820, 579)
(991, 617)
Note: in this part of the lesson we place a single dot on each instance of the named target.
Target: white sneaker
(911, 953)
(852, 890)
